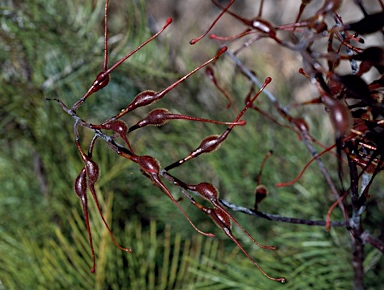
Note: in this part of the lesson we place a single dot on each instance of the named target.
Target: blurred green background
(54, 49)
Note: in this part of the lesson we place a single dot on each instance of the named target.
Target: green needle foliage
(161, 260)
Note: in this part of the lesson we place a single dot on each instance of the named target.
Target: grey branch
(279, 218)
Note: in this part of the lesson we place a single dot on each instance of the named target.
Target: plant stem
(279, 218)
(356, 229)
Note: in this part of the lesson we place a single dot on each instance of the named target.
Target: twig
(367, 238)
(356, 228)
(279, 218)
